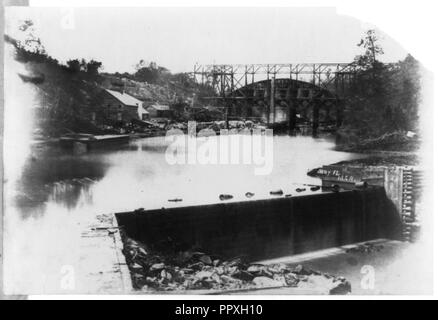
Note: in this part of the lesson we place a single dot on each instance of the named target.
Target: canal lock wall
(269, 228)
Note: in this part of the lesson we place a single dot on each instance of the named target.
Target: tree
(28, 40)
(151, 73)
(372, 49)
(93, 67)
(74, 65)
(383, 98)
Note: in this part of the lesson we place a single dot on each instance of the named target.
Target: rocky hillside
(65, 96)
(168, 93)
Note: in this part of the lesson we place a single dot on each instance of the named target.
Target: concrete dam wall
(268, 228)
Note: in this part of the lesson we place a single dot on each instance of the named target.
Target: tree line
(382, 98)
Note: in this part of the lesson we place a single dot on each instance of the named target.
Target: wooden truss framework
(228, 79)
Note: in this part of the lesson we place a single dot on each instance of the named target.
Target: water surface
(53, 195)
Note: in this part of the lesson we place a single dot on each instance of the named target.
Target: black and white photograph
(196, 151)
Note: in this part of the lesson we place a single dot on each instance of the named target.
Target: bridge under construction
(280, 93)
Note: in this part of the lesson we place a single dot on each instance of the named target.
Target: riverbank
(397, 141)
(385, 158)
(376, 159)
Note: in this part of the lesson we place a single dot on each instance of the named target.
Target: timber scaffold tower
(293, 87)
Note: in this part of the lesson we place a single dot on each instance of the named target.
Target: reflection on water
(71, 192)
(138, 175)
(56, 192)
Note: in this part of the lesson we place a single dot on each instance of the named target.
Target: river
(50, 194)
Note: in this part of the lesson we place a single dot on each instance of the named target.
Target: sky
(178, 38)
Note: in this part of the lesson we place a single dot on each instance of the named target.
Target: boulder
(206, 260)
(157, 267)
(267, 282)
(278, 192)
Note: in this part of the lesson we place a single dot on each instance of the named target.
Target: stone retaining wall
(270, 228)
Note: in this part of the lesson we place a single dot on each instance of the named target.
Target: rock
(249, 194)
(191, 270)
(223, 197)
(165, 275)
(228, 279)
(328, 285)
(187, 284)
(220, 270)
(138, 276)
(242, 275)
(203, 274)
(278, 268)
(361, 185)
(267, 282)
(288, 195)
(196, 254)
(235, 262)
(299, 269)
(142, 251)
(300, 189)
(256, 268)
(260, 271)
(291, 279)
(136, 267)
(132, 244)
(152, 282)
(112, 231)
(230, 270)
(216, 278)
(341, 287)
(171, 286)
(175, 200)
(280, 279)
(206, 259)
(157, 267)
(196, 266)
(278, 192)
(187, 270)
(315, 188)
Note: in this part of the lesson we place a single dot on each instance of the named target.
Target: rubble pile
(191, 270)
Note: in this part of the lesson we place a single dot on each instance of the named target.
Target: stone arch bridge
(280, 93)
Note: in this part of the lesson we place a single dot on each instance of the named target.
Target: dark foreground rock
(192, 270)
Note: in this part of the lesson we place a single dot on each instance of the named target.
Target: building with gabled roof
(159, 112)
(121, 107)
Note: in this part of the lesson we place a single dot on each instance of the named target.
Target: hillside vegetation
(67, 93)
(382, 104)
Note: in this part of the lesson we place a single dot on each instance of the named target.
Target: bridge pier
(292, 118)
(327, 112)
(315, 116)
(339, 112)
(271, 117)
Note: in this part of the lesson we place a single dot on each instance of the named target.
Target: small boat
(90, 141)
